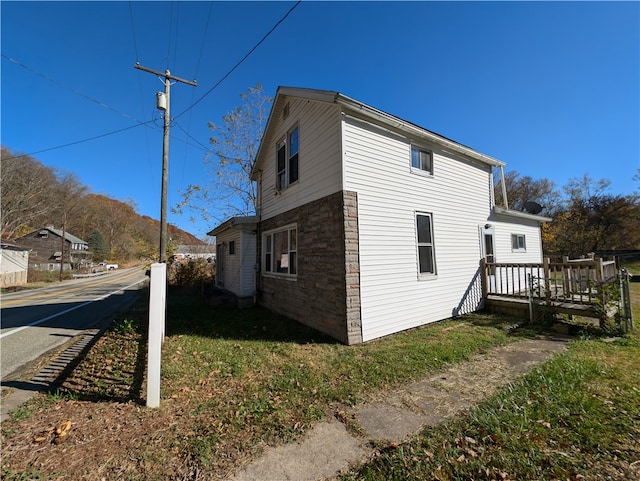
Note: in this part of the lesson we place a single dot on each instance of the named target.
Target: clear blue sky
(550, 88)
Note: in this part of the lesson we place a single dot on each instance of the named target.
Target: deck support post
(484, 278)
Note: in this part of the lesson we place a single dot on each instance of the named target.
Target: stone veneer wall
(326, 293)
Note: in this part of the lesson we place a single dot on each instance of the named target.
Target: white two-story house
(367, 224)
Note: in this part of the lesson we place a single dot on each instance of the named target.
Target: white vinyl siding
(377, 168)
(319, 161)
(239, 269)
(504, 228)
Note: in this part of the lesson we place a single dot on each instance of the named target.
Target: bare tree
(28, 193)
(523, 189)
(227, 189)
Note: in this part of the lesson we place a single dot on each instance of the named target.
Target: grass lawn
(234, 381)
(575, 417)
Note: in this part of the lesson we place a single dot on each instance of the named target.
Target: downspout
(258, 265)
(504, 189)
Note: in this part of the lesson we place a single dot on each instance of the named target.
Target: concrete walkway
(393, 417)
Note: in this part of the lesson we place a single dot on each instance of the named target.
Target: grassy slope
(235, 380)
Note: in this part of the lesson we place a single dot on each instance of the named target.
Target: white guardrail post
(157, 310)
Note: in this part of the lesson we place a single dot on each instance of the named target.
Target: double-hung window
(426, 251)
(280, 251)
(518, 243)
(287, 160)
(421, 160)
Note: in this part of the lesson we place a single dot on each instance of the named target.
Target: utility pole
(164, 105)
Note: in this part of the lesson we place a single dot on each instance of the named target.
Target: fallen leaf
(544, 423)
(64, 428)
(62, 431)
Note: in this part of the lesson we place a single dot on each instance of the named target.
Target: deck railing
(573, 281)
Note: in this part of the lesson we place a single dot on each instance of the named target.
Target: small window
(281, 179)
(426, 253)
(518, 242)
(293, 156)
(421, 159)
(287, 162)
(232, 248)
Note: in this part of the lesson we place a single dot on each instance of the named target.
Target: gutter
(522, 215)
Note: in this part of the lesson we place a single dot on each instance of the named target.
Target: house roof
(371, 113)
(245, 221)
(69, 237)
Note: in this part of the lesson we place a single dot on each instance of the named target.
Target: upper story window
(421, 160)
(232, 248)
(518, 243)
(287, 160)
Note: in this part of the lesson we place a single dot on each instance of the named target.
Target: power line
(142, 102)
(204, 38)
(139, 123)
(200, 144)
(133, 30)
(225, 76)
(81, 141)
(71, 89)
(169, 36)
(193, 94)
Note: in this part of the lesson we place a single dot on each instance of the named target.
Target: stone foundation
(325, 294)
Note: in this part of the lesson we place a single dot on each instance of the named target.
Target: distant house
(187, 252)
(45, 246)
(367, 224)
(14, 265)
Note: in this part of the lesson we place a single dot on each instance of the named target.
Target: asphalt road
(35, 322)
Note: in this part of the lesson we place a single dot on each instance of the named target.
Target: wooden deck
(536, 290)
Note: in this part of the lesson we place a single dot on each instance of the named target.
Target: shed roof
(235, 222)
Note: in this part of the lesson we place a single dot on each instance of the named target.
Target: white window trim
(418, 170)
(524, 243)
(286, 228)
(425, 275)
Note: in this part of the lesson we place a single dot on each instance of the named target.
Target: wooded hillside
(35, 196)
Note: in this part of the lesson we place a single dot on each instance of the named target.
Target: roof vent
(285, 111)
